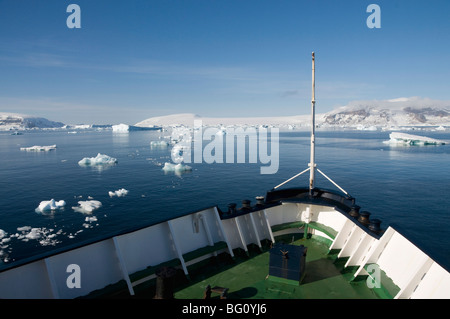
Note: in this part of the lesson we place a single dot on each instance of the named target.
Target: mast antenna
(312, 164)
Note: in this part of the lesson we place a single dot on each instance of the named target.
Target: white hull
(113, 259)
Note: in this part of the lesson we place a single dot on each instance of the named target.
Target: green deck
(246, 276)
(325, 278)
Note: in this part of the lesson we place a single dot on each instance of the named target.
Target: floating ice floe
(119, 193)
(361, 127)
(169, 167)
(76, 233)
(37, 148)
(87, 206)
(45, 236)
(90, 219)
(181, 135)
(397, 138)
(222, 131)
(34, 233)
(159, 144)
(4, 248)
(50, 205)
(100, 159)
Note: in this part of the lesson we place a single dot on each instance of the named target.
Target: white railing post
(177, 248)
(225, 237)
(122, 266)
(51, 278)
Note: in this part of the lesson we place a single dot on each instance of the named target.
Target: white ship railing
(118, 258)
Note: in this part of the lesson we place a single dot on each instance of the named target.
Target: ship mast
(312, 164)
(312, 167)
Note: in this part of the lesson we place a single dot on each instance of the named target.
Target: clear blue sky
(132, 60)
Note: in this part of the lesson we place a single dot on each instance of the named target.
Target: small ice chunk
(119, 193)
(37, 148)
(222, 131)
(159, 143)
(100, 159)
(87, 206)
(90, 219)
(34, 233)
(50, 205)
(24, 228)
(169, 167)
(2, 233)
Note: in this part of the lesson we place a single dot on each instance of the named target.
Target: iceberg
(50, 205)
(398, 138)
(119, 193)
(169, 167)
(87, 206)
(125, 128)
(100, 159)
(37, 148)
(82, 126)
(121, 128)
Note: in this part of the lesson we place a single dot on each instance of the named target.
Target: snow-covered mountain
(386, 114)
(187, 119)
(389, 113)
(357, 114)
(14, 121)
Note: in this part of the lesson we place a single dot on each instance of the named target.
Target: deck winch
(287, 263)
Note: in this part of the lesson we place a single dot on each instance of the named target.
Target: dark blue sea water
(405, 186)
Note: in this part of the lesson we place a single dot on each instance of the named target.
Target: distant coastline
(394, 114)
